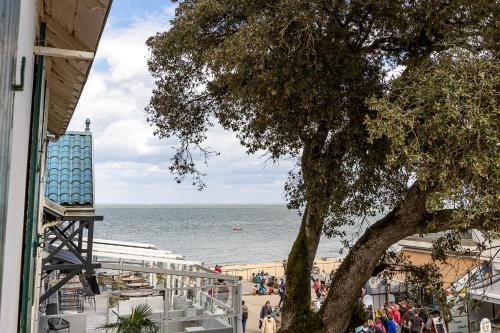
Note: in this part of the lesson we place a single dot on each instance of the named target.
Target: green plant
(135, 323)
(160, 278)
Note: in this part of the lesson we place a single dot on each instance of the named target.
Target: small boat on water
(237, 229)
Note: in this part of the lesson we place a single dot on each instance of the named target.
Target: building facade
(46, 52)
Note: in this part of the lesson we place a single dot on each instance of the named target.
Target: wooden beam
(88, 218)
(60, 95)
(58, 285)
(93, 4)
(66, 89)
(68, 37)
(62, 104)
(68, 267)
(58, 114)
(63, 53)
(65, 77)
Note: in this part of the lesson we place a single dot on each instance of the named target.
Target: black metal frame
(71, 238)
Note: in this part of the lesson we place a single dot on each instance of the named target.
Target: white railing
(194, 301)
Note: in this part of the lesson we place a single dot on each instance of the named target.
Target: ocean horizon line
(281, 204)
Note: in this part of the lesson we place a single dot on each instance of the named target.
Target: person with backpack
(244, 315)
(379, 328)
(281, 291)
(269, 324)
(416, 323)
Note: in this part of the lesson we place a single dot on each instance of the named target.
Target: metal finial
(87, 125)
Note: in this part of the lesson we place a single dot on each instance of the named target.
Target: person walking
(244, 315)
(281, 291)
(263, 312)
(317, 288)
(269, 324)
(416, 323)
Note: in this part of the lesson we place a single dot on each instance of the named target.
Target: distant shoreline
(187, 205)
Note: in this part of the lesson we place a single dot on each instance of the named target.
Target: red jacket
(397, 316)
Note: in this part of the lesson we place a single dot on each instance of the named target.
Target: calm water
(205, 233)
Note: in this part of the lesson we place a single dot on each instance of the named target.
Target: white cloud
(131, 164)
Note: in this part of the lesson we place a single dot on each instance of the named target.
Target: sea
(207, 233)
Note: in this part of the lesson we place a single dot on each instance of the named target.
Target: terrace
(192, 300)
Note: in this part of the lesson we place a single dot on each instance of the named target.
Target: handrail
(135, 268)
(215, 300)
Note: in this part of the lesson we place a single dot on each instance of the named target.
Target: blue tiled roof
(69, 172)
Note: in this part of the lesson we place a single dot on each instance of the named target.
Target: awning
(73, 32)
(487, 291)
(69, 213)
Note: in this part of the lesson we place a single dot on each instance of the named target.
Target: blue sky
(131, 165)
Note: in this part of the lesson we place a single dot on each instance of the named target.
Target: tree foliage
(443, 121)
(314, 80)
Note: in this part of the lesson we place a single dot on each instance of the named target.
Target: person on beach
(244, 315)
(322, 277)
(258, 278)
(391, 325)
(317, 288)
(284, 267)
(218, 269)
(269, 324)
(263, 312)
(281, 291)
(262, 288)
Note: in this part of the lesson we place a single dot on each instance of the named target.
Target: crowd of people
(397, 318)
(266, 284)
(402, 317)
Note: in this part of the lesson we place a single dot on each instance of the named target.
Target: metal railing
(197, 300)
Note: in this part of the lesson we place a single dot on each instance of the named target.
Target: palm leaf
(137, 321)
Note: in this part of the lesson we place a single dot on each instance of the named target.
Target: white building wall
(18, 173)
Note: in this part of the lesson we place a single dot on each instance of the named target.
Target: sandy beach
(275, 268)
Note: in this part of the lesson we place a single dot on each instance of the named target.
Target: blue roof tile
(69, 170)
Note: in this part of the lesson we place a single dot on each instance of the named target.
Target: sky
(131, 165)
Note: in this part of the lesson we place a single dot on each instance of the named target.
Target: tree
(293, 78)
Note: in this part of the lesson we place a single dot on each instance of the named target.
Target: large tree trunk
(298, 271)
(301, 258)
(408, 218)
